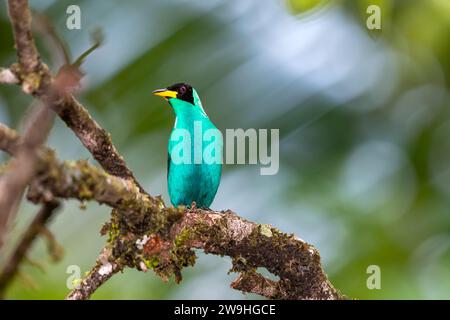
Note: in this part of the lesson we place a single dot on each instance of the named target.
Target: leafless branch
(104, 269)
(19, 253)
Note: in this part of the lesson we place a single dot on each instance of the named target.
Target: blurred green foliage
(299, 6)
(364, 124)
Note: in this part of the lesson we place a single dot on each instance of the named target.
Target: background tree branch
(19, 253)
(22, 168)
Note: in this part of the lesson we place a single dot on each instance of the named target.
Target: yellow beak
(165, 93)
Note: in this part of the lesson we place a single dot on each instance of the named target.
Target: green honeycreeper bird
(191, 181)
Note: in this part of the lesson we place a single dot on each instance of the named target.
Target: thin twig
(19, 253)
(97, 38)
(57, 46)
(54, 249)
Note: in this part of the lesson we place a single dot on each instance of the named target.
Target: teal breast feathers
(194, 150)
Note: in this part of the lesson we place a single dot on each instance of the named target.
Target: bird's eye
(182, 90)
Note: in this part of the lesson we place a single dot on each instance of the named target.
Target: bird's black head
(182, 91)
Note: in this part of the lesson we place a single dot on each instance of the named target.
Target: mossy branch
(144, 234)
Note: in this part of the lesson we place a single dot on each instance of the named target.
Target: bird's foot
(193, 206)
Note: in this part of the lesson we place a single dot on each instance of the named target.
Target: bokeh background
(364, 125)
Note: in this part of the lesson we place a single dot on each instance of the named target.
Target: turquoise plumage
(191, 178)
